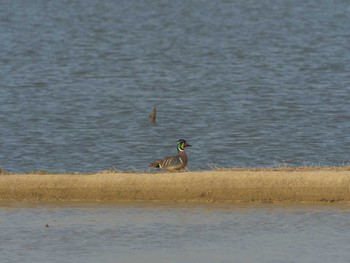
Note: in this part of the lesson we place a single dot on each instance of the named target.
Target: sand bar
(227, 185)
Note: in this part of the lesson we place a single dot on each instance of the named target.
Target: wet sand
(288, 185)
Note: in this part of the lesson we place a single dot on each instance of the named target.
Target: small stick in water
(152, 115)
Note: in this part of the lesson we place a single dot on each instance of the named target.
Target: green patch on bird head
(181, 144)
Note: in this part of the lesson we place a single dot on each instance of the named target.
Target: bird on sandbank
(176, 162)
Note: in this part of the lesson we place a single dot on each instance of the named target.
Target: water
(247, 83)
(173, 233)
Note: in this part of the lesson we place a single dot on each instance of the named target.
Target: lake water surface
(174, 233)
(247, 83)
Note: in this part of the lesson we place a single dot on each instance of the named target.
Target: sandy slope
(231, 185)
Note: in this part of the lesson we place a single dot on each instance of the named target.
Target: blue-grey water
(247, 83)
(174, 233)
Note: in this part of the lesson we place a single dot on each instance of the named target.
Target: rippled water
(173, 233)
(248, 83)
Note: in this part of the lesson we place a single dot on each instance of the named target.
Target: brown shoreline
(279, 185)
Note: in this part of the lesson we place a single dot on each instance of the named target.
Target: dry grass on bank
(283, 184)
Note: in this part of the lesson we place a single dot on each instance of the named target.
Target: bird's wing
(174, 161)
(168, 161)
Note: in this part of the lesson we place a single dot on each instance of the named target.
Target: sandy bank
(231, 185)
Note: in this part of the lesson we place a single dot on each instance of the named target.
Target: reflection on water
(173, 233)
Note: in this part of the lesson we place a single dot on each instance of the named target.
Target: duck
(176, 162)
